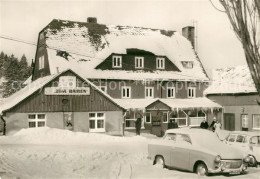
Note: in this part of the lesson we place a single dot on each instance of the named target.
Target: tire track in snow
(125, 167)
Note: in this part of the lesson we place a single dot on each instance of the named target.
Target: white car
(196, 150)
(248, 142)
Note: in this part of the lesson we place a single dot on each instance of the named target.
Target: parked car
(196, 150)
(248, 142)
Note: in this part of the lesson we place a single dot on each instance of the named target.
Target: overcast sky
(217, 44)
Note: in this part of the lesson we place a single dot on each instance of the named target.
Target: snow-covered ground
(54, 153)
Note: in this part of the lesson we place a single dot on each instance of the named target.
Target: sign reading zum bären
(67, 91)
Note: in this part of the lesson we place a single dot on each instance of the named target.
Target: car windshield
(255, 140)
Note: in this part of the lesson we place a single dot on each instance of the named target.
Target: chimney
(189, 33)
(92, 20)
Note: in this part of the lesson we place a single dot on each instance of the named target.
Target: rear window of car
(232, 138)
(183, 138)
(170, 136)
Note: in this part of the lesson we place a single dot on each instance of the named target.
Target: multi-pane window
(170, 92)
(126, 92)
(191, 92)
(41, 62)
(244, 120)
(165, 117)
(117, 61)
(256, 121)
(160, 63)
(36, 120)
(148, 117)
(130, 123)
(96, 122)
(139, 62)
(187, 64)
(103, 88)
(149, 92)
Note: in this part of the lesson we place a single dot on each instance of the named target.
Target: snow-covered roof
(28, 90)
(32, 87)
(28, 80)
(174, 104)
(190, 103)
(87, 45)
(231, 80)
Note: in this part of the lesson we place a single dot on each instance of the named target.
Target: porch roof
(191, 103)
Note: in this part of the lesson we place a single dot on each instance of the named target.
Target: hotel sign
(67, 91)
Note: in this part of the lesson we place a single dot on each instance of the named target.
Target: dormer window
(139, 62)
(187, 64)
(160, 63)
(117, 61)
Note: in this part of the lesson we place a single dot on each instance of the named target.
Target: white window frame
(242, 120)
(160, 63)
(194, 92)
(36, 120)
(137, 62)
(118, 61)
(150, 115)
(125, 88)
(96, 118)
(41, 62)
(105, 88)
(173, 94)
(255, 128)
(149, 95)
(167, 117)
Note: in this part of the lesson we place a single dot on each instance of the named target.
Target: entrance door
(68, 120)
(229, 121)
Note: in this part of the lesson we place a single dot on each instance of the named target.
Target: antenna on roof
(195, 25)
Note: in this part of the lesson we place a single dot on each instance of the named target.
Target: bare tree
(245, 20)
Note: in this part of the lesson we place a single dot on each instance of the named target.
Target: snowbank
(46, 135)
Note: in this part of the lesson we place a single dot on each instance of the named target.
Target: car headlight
(217, 159)
(247, 159)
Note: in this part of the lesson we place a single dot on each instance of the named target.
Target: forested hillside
(13, 73)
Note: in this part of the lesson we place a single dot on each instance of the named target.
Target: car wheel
(252, 161)
(159, 161)
(202, 169)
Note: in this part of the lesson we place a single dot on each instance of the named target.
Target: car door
(180, 153)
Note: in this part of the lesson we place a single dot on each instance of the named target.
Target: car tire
(202, 169)
(252, 162)
(159, 161)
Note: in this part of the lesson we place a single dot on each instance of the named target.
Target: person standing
(217, 127)
(138, 124)
(170, 124)
(212, 125)
(175, 125)
(204, 124)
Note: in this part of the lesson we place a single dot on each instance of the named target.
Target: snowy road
(95, 161)
(55, 153)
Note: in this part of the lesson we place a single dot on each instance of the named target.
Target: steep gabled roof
(82, 46)
(39, 84)
(231, 80)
